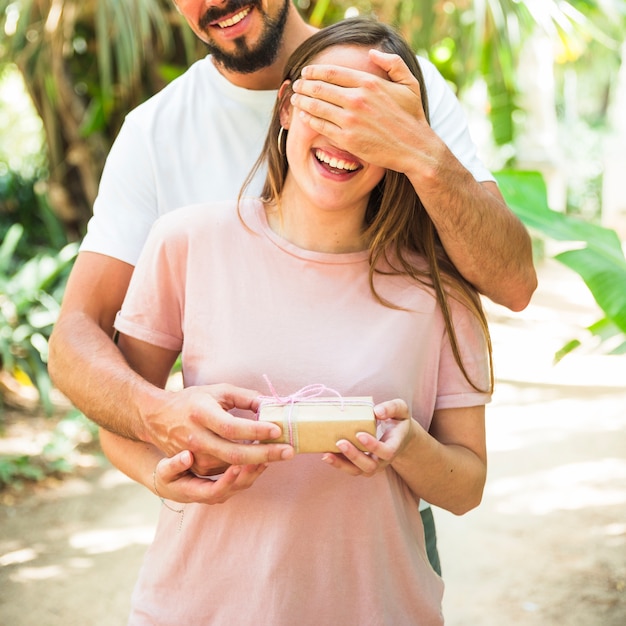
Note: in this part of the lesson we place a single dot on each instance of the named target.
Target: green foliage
(35, 259)
(59, 455)
(14, 469)
(596, 254)
(468, 40)
(21, 203)
(30, 296)
(85, 64)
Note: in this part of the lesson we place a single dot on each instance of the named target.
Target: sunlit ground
(548, 544)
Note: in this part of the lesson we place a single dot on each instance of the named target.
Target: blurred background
(543, 83)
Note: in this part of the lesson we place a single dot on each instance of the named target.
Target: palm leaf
(597, 256)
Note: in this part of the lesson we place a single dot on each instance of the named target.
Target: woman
(335, 276)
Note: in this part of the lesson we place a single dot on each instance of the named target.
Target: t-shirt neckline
(257, 212)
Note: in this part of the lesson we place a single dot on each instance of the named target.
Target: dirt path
(546, 547)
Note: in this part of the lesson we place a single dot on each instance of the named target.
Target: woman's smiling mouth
(335, 163)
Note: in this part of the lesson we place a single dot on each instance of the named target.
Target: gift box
(316, 424)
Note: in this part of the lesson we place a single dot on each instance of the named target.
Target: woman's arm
(446, 467)
(171, 478)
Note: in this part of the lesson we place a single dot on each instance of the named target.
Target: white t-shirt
(307, 544)
(197, 139)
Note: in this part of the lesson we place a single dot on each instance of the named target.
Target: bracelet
(181, 512)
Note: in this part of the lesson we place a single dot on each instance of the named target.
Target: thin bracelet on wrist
(165, 504)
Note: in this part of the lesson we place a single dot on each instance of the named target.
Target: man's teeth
(235, 19)
(335, 163)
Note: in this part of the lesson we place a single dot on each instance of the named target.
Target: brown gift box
(316, 424)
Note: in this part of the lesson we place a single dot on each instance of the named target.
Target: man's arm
(383, 122)
(483, 237)
(89, 369)
(84, 362)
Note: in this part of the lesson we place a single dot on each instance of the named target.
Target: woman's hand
(398, 431)
(173, 480)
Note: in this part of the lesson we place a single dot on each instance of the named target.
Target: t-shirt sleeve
(126, 206)
(449, 121)
(152, 310)
(453, 389)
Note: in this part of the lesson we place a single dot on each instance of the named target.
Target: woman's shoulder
(207, 221)
(191, 217)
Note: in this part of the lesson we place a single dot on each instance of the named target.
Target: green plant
(596, 255)
(21, 201)
(85, 64)
(30, 296)
(467, 40)
(60, 455)
(16, 468)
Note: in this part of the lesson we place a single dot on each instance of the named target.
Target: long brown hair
(397, 226)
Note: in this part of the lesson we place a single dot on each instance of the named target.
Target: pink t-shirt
(306, 544)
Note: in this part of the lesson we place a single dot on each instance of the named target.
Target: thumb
(392, 410)
(173, 467)
(395, 67)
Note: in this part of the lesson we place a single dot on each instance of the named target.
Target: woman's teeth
(338, 164)
(235, 19)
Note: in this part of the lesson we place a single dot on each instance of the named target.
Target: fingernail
(236, 470)
(327, 459)
(287, 453)
(342, 445)
(362, 437)
(274, 432)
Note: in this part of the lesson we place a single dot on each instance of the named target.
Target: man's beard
(246, 59)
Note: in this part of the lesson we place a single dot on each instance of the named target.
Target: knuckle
(315, 107)
(316, 88)
(358, 101)
(192, 442)
(227, 431)
(351, 117)
(321, 126)
(369, 82)
(330, 74)
(194, 414)
(235, 457)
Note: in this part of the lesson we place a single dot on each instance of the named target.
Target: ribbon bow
(309, 392)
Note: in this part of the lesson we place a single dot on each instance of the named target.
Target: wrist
(434, 167)
(156, 492)
(149, 402)
(411, 448)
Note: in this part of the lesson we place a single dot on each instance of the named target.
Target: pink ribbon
(310, 392)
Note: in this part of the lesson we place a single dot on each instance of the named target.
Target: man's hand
(376, 118)
(197, 419)
(380, 119)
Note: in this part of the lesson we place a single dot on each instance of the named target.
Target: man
(196, 140)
